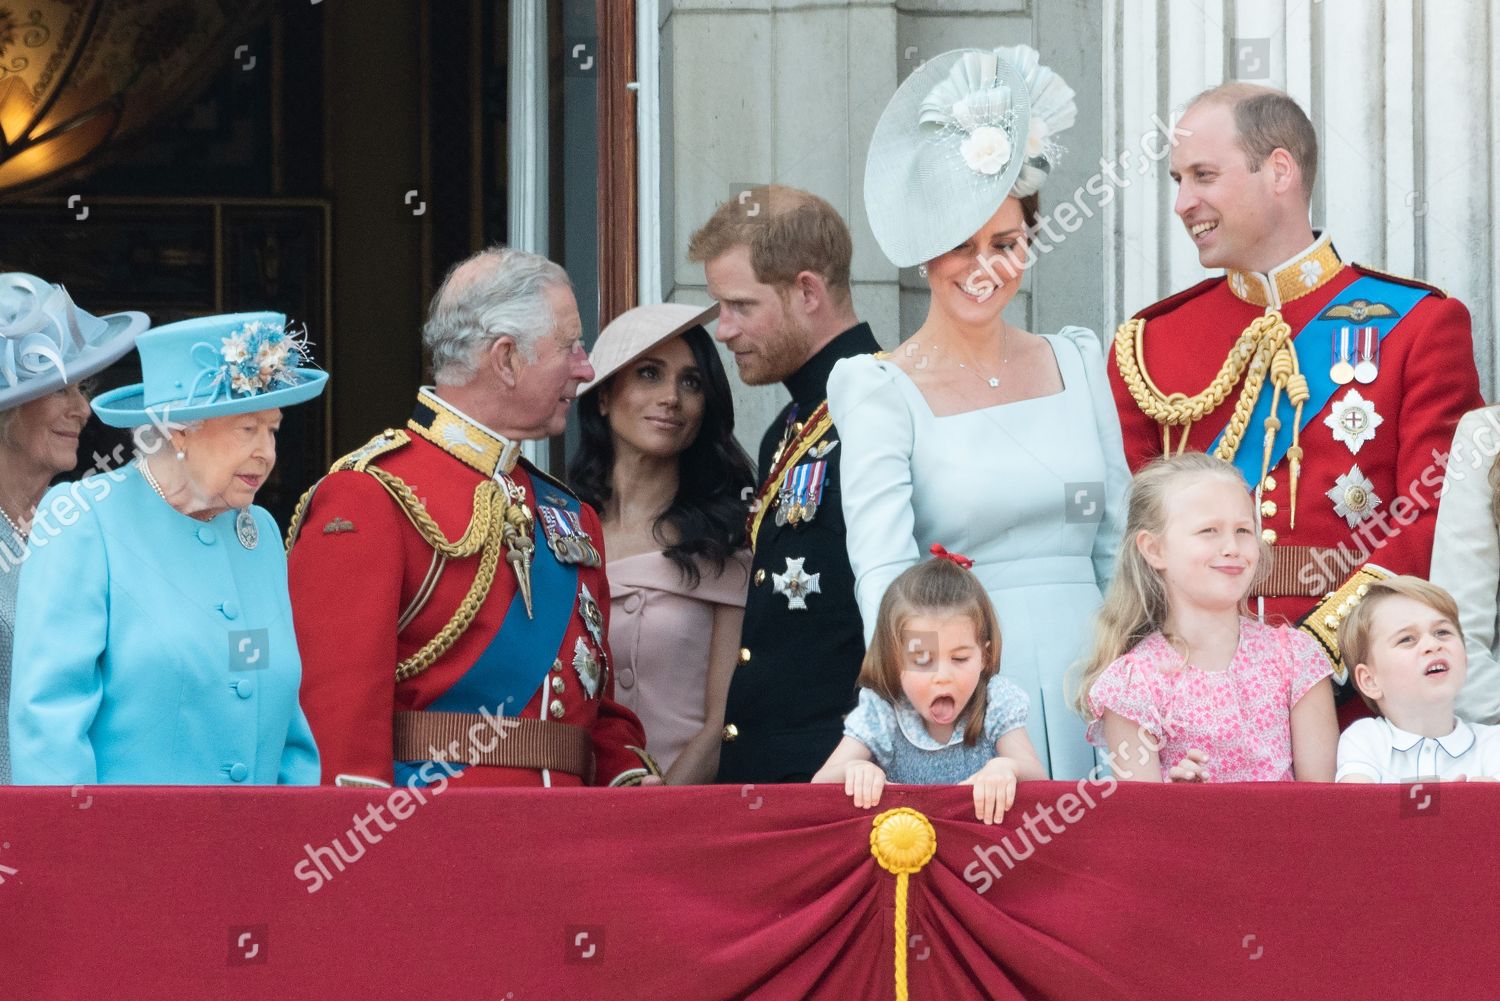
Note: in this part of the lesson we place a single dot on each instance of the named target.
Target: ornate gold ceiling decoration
(80, 76)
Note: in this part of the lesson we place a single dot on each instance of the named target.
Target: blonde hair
(795, 231)
(941, 586)
(1355, 640)
(1136, 604)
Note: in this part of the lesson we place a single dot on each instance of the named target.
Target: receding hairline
(1234, 93)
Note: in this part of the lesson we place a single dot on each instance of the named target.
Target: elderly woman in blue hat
(154, 641)
(49, 350)
(977, 434)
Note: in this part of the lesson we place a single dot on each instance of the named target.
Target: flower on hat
(272, 355)
(234, 350)
(976, 112)
(259, 357)
(986, 149)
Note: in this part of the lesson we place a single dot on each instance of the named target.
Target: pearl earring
(922, 270)
(181, 456)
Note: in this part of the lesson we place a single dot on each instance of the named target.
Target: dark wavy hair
(708, 514)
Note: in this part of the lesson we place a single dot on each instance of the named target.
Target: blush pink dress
(1240, 717)
(660, 629)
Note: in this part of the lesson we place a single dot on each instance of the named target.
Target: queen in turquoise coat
(154, 641)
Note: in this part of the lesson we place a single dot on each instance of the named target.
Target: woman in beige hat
(659, 461)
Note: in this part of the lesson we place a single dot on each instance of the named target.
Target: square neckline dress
(1032, 491)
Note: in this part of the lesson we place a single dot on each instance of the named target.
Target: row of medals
(1365, 351)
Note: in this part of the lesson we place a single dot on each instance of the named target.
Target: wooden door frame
(619, 268)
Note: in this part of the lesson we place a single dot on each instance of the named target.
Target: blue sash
(1321, 387)
(516, 661)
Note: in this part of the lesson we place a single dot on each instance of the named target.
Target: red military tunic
(359, 568)
(1426, 380)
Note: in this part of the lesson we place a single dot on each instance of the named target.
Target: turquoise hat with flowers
(215, 366)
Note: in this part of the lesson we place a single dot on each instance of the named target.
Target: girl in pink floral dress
(1183, 684)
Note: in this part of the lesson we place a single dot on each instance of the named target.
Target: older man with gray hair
(449, 597)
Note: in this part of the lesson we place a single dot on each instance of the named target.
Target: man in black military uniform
(778, 264)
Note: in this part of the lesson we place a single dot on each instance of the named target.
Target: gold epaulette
(1323, 622)
(386, 441)
(484, 536)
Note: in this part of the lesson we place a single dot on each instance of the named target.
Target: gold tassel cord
(500, 519)
(903, 842)
(1250, 359)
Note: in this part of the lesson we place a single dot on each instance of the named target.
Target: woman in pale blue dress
(154, 641)
(998, 443)
(50, 351)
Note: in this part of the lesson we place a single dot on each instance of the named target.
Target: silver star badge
(795, 584)
(593, 619)
(1353, 420)
(1353, 495)
(587, 667)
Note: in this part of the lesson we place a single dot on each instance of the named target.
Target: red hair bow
(943, 554)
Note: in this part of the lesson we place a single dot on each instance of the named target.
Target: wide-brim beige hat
(638, 330)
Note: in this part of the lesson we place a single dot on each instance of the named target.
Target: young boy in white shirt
(1408, 664)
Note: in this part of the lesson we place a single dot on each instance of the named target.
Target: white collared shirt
(1386, 753)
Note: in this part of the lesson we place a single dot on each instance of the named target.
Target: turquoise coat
(152, 648)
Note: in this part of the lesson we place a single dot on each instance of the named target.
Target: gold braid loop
(1179, 409)
(1269, 333)
(294, 528)
(478, 591)
(474, 537)
(497, 520)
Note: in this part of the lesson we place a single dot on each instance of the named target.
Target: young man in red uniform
(1348, 382)
(450, 599)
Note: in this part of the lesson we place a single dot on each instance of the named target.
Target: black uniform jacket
(797, 671)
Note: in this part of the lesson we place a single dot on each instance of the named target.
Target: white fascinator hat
(965, 131)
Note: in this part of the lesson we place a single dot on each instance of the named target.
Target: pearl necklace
(13, 526)
(150, 479)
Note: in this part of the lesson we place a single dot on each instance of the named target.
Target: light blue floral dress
(900, 744)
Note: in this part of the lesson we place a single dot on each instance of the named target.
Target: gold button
(744, 655)
(1270, 483)
(1270, 536)
(556, 707)
(1268, 509)
(557, 665)
(557, 684)
(760, 577)
(729, 732)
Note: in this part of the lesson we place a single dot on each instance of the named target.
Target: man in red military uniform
(450, 600)
(1334, 388)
